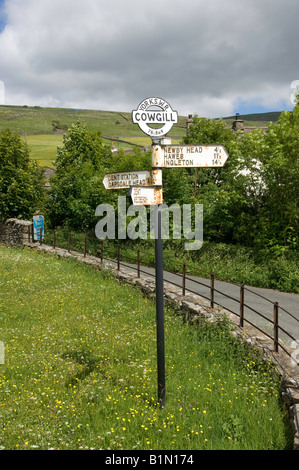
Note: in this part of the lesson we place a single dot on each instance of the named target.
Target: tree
(280, 173)
(77, 188)
(253, 199)
(21, 181)
(213, 187)
(210, 131)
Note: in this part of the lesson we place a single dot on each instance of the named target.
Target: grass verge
(80, 369)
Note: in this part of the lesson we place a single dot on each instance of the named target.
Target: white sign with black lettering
(146, 196)
(155, 111)
(171, 156)
(133, 178)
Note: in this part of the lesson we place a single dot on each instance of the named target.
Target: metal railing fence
(113, 252)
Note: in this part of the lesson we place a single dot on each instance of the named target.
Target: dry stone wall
(15, 232)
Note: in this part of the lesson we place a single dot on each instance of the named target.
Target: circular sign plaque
(154, 111)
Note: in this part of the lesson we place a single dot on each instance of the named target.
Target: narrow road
(287, 301)
(259, 299)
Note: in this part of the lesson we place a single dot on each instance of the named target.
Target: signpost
(146, 196)
(146, 189)
(147, 114)
(172, 156)
(132, 178)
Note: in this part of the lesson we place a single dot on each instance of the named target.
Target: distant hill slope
(265, 117)
(38, 120)
(43, 128)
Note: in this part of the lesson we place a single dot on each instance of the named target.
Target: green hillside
(264, 117)
(43, 128)
(254, 120)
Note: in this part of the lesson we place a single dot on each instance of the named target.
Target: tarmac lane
(261, 300)
(256, 299)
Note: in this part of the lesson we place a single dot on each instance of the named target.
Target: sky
(213, 58)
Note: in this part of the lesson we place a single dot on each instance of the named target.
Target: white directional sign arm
(173, 156)
(142, 195)
(126, 179)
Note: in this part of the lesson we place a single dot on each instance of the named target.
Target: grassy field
(43, 147)
(36, 125)
(80, 369)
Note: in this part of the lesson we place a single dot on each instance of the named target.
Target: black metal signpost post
(160, 306)
(159, 293)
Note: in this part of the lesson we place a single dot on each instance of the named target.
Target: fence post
(40, 236)
(276, 327)
(54, 239)
(69, 243)
(184, 279)
(118, 257)
(212, 290)
(138, 263)
(242, 306)
(85, 246)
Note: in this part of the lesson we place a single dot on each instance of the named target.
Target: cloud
(203, 57)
